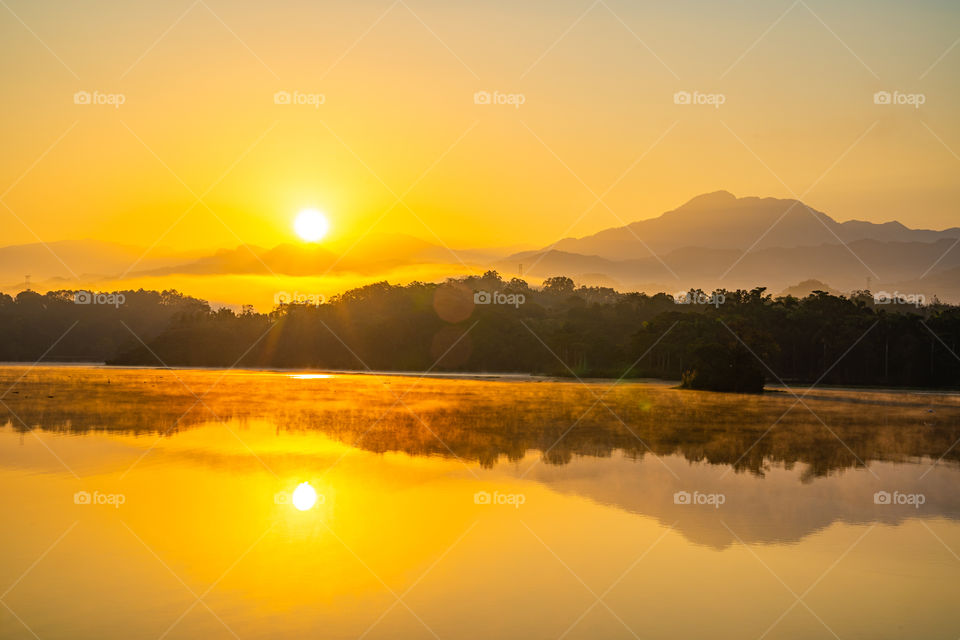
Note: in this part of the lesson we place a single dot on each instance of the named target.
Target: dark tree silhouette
(725, 340)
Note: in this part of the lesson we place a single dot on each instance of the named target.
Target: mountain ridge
(719, 219)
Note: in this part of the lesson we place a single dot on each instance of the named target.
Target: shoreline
(475, 375)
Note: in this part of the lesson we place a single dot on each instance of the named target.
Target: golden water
(459, 508)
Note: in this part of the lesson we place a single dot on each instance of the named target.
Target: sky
(388, 129)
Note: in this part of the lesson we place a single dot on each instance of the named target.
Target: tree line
(723, 340)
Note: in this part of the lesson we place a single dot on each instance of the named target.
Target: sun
(311, 225)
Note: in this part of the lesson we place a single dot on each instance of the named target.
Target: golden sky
(199, 155)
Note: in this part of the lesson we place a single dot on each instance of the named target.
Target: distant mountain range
(714, 240)
(720, 220)
(719, 240)
(86, 259)
(373, 254)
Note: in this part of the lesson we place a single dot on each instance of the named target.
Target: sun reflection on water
(304, 496)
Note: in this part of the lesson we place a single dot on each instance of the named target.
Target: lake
(143, 503)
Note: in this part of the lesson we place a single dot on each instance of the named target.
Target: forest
(721, 340)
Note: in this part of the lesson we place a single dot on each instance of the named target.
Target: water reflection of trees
(486, 421)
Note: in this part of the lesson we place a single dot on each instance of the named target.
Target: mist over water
(464, 497)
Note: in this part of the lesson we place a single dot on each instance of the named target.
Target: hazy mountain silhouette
(287, 259)
(805, 288)
(371, 254)
(720, 220)
(93, 260)
(844, 267)
(717, 240)
(69, 259)
(714, 240)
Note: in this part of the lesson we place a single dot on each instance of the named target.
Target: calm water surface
(470, 509)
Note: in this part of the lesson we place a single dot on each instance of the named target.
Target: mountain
(714, 240)
(88, 259)
(720, 220)
(372, 254)
(805, 288)
(717, 240)
(857, 265)
(945, 284)
(285, 259)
